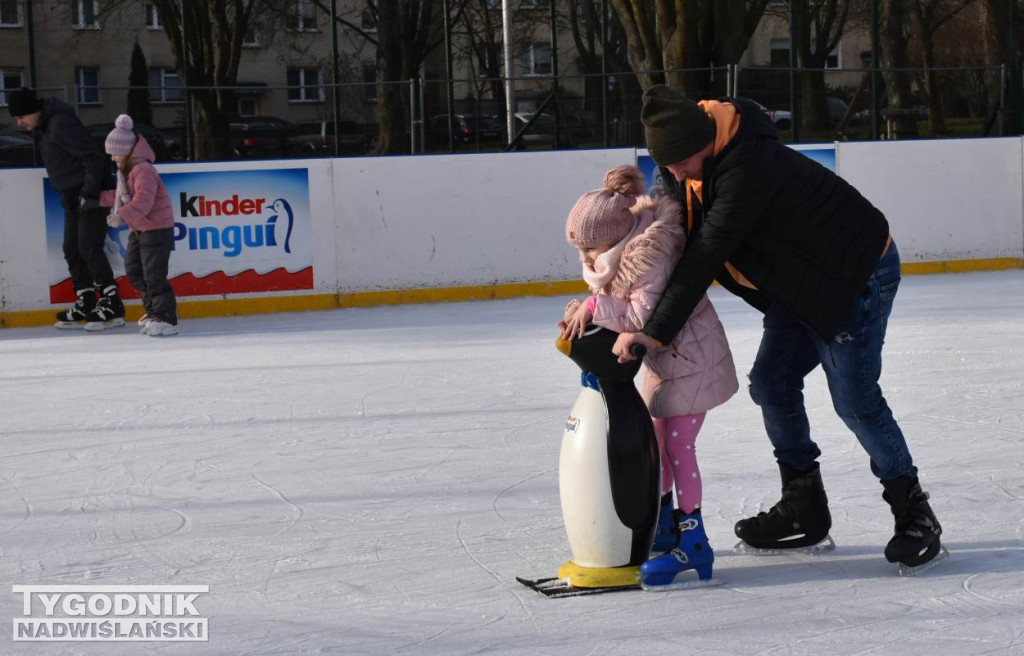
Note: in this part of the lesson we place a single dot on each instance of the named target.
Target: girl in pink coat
(142, 202)
(629, 245)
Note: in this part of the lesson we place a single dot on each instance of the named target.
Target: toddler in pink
(629, 245)
(141, 201)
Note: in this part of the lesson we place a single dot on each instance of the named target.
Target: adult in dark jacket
(803, 246)
(75, 167)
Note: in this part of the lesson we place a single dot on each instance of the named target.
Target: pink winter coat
(150, 206)
(695, 372)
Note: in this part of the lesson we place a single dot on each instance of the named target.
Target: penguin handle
(638, 351)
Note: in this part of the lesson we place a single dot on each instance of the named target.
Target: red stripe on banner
(248, 281)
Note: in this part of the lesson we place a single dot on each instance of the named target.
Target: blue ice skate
(664, 537)
(691, 552)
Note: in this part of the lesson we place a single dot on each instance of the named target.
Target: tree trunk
(815, 106)
(994, 21)
(894, 56)
(923, 34)
(390, 112)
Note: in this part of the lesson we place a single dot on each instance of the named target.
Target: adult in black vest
(803, 246)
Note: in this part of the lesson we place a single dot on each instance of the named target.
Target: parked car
(573, 127)
(16, 149)
(174, 138)
(467, 129)
(99, 132)
(837, 109)
(782, 118)
(259, 137)
(317, 138)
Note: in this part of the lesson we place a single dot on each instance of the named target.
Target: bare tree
(820, 27)
(686, 34)
(213, 38)
(895, 57)
(585, 22)
(926, 17)
(404, 33)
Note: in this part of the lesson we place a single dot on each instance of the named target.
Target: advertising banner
(234, 232)
(824, 154)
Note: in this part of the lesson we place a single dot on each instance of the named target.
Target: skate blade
(96, 326)
(907, 570)
(69, 325)
(556, 587)
(683, 585)
(826, 545)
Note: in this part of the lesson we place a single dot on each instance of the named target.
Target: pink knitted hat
(602, 217)
(121, 139)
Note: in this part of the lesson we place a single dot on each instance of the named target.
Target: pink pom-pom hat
(602, 217)
(121, 139)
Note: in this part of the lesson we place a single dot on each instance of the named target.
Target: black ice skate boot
(800, 520)
(109, 311)
(76, 315)
(916, 539)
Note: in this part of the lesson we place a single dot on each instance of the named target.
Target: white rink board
(23, 278)
(414, 222)
(945, 199)
(450, 220)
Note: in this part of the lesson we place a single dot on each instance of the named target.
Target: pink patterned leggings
(677, 437)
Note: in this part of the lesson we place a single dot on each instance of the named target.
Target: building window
(153, 18)
(165, 86)
(533, 4)
(248, 107)
(305, 85)
(834, 59)
(10, 13)
(780, 54)
(302, 17)
(537, 59)
(85, 14)
(88, 82)
(10, 78)
(370, 80)
(251, 39)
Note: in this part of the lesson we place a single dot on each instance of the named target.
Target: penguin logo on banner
(280, 207)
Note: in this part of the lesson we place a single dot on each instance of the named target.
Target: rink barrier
(497, 230)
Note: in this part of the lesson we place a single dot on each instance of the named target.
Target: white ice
(371, 481)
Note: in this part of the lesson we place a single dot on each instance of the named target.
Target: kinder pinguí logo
(572, 424)
(239, 232)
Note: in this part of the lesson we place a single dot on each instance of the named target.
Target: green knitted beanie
(676, 127)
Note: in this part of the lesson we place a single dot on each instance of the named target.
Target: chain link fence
(299, 95)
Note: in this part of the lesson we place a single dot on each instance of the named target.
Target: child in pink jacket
(629, 245)
(142, 202)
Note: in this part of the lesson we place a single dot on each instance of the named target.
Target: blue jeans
(852, 361)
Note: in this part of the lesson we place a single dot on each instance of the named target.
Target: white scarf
(121, 195)
(606, 265)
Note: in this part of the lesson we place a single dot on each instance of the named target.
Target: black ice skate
(915, 545)
(75, 316)
(800, 521)
(109, 311)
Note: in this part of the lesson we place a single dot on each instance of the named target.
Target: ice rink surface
(371, 481)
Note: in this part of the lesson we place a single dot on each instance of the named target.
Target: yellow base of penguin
(599, 577)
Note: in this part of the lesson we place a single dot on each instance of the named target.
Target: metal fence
(587, 111)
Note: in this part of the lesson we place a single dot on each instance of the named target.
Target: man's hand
(627, 340)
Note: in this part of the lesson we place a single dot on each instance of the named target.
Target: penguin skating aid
(609, 475)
